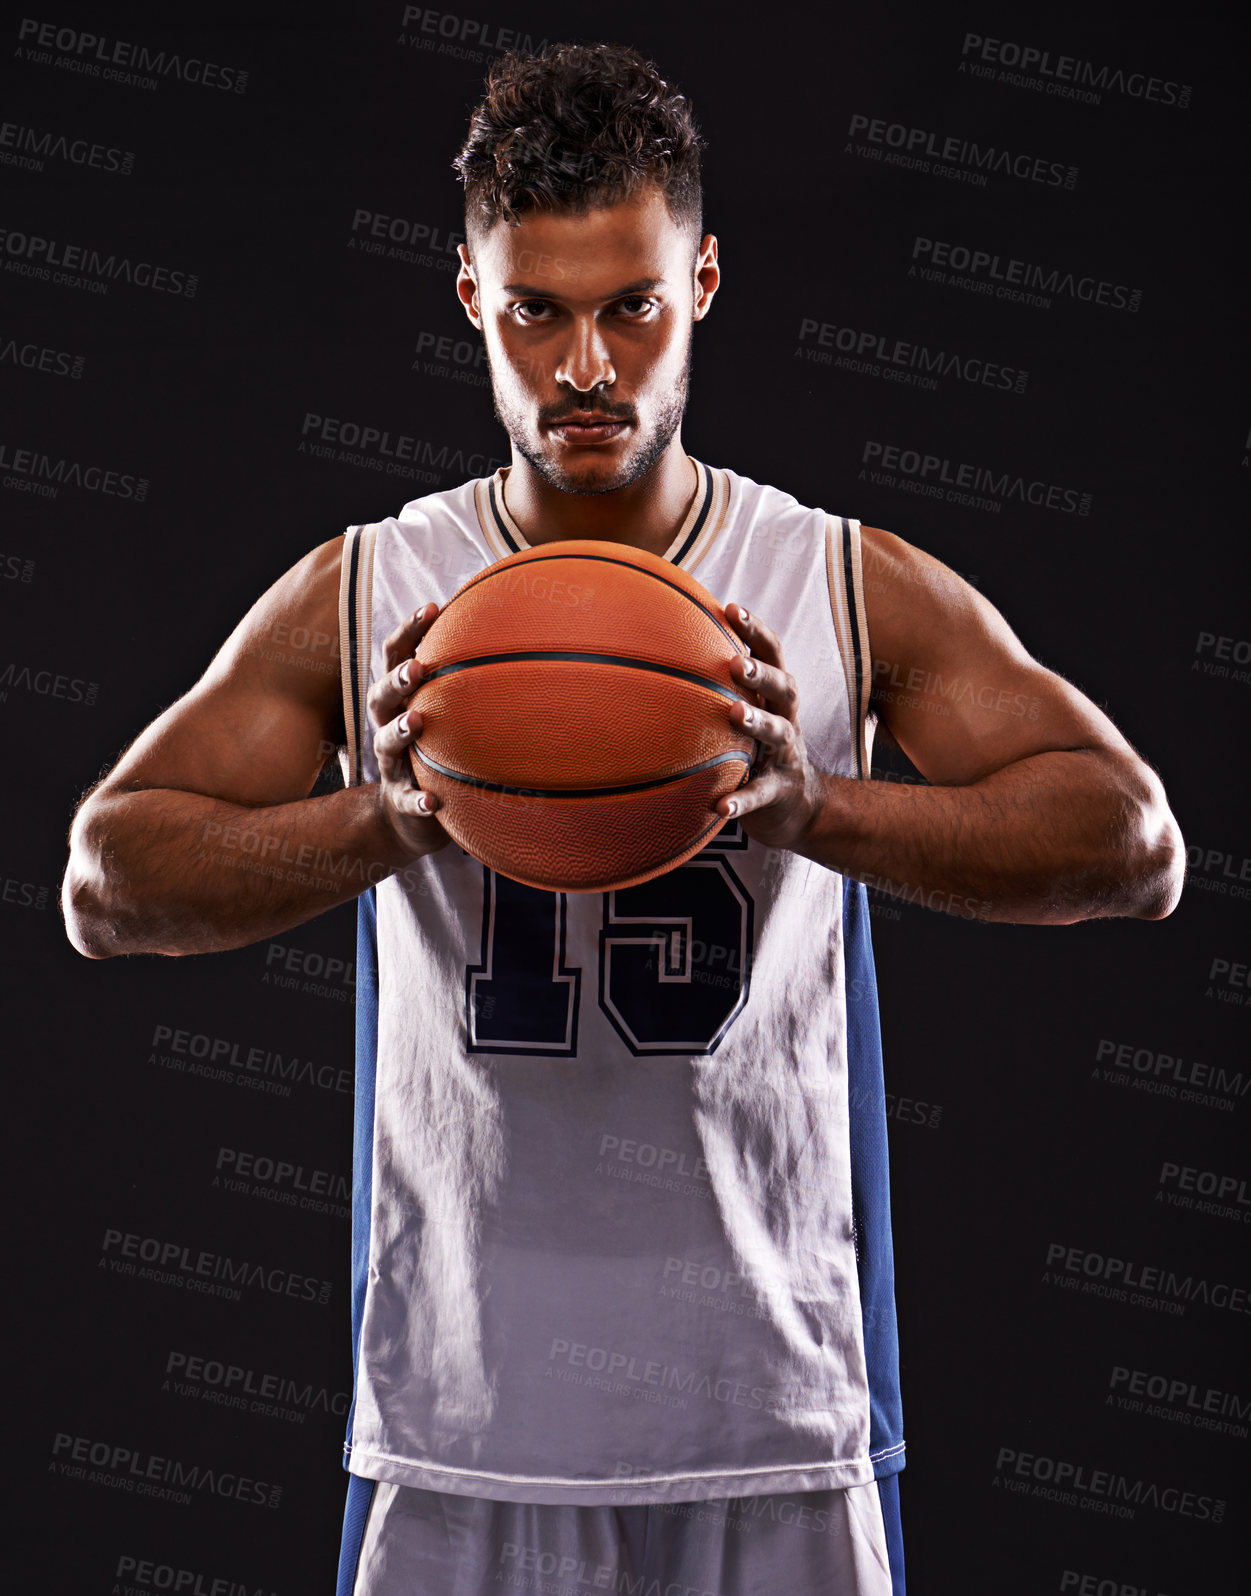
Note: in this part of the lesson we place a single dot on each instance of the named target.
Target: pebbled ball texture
(575, 702)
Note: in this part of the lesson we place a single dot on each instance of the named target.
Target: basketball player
(623, 1298)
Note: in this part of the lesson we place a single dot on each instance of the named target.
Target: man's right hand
(407, 809)
(206, 834)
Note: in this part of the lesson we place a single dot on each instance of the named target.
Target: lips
(587, 428)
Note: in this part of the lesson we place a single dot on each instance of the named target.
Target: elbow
(1164, 878)
(1159, 858)
(87, 928)
(91, 921)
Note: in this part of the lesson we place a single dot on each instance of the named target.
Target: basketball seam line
(603, 559)
(577, 792)
(583, 659)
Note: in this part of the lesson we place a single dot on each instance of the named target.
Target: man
(623, 1305)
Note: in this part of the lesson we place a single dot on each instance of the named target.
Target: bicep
(951, 681)
(261, 722)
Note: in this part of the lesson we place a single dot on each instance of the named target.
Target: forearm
(163, 871)
(1047, 840)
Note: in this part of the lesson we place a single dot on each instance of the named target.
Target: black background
(1019, 1145)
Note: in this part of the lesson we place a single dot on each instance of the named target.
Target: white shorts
(815, 1543)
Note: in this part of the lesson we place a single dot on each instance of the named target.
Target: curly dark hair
(574, 127)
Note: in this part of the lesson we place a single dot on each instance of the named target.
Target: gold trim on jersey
(844, 570)
(700, 525)
(356, 586)
(712, 501)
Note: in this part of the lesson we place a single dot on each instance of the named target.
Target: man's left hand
(785, 792)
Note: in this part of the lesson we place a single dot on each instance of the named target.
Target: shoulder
(758, 498)
(457, 505)
(762, 501)
(907, 591)
(895, 569)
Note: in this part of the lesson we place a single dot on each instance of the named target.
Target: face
(587, 322)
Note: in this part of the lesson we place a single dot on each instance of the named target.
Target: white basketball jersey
(621, 1206)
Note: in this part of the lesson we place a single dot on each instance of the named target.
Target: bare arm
(1039, 810)
(203, 837)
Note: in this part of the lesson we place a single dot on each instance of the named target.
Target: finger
(761, 639)
(396, 768)
(775, 732)
(414, 801)
(771, 684)
(758, 793)
(393, 741)
(402, 642)
(391, 693)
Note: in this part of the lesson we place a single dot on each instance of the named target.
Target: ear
(707, 276)
(467, 287)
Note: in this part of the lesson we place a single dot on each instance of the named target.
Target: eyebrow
(641, 285)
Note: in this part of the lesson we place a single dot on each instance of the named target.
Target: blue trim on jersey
(360, 1495)
(888, 1495)
(870, 1185)
(363, 1128)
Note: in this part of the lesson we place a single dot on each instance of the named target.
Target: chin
(589, 476)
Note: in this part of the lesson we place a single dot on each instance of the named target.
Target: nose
(586, 364)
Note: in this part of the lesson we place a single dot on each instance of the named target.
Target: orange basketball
(575, 700)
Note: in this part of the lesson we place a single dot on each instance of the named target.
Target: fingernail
(403, 725)
(749, 668)
(423, 803)
(749, 718)
(731, 809)
(402, 673)
(743, 614)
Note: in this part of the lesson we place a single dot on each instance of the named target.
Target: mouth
(587, 427)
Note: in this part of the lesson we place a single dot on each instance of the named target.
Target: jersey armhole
(844, 571)
(355, 644)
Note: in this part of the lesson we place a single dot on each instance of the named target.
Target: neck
(646, 514)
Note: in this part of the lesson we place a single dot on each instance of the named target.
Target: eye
(531, 309)
(635, 306)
